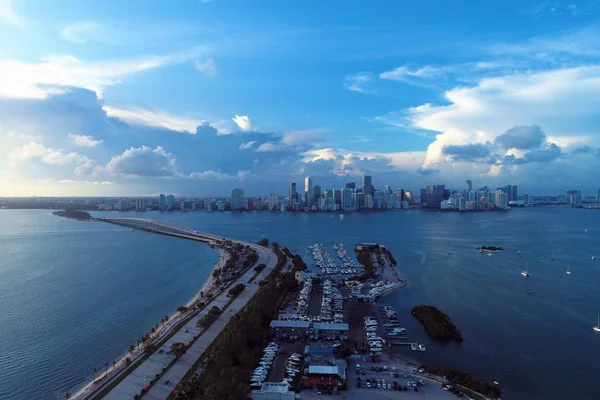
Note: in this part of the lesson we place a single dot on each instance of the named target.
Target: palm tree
(131, 348)
(67, 396)
(114, 364)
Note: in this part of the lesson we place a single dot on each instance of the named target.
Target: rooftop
(290, 324)
(277, 387)
(328, 326)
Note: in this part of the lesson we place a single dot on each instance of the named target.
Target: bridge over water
(151, 225)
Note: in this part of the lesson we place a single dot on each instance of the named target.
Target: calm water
(98, 287)
(74, 295)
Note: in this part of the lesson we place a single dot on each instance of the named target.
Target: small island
(437, 323)
(74, 214)
(490, 248)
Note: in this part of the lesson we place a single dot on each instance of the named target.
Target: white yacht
(597, 327)
(526, 272)
(569, 270)
(422, 347)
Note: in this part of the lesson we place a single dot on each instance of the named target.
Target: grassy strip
(120, 378)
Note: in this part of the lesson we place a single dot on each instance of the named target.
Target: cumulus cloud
(143, 162)
(521, 137)
(47, 155)
(243, 122)
(84, 31)
(268, 147)
(467, 152)
(8, 15)
(291, 138)
(84, 140)
(89, 167)
(207, 66)
(56, 74)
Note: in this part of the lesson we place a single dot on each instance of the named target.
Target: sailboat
(569, 270)
(597, 327)
(525, 273)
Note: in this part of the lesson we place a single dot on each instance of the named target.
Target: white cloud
(291, 138)
(268, 147)
(212, 175)
(356, 82)
(247, 145)
(143, 162)
(89, 167)
(8, 15)
(362, 139)
(158, 119)
(207, 67)
(56, 74)
(75, 182)
(84, 140)
(47, 155)
(243, 122)
(564, 102)
(84, 31)
(405, 74)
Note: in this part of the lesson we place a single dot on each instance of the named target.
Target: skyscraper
(526, 199)
(316, 193)
(292, 198)
(308, 192)
(501, 199)
(140, 204)
(434, 195)
(237, 199)
(170, 202)
(162, 202)
(273, 200)
(514, 194)
(468, 185)
(367, 186)
(347, 195)
(350, 185)
(387, 193)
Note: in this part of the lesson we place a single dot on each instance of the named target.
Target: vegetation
(464, 379)
(263, 242)
(236, 290)
(150, 348)
(237, 350)
(182, 309)
(178, 349)
(363, 255)
(437, 323)
(490, 248)
(259, 267)
(74, 214)
(389, 255)
(210, 317)
(298, 263)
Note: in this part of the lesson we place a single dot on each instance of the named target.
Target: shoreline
(113, 372)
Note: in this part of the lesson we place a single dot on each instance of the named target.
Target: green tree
(182, 309)
(178, 349)
(131, 348)
(67, 396)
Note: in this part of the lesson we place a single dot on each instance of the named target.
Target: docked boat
(569, 270)
(422, 347)
(526, 272)
(413, 346)
(597, 327)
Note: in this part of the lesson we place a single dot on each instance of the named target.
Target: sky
(127, 98)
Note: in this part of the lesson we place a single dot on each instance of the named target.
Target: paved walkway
(140, 377)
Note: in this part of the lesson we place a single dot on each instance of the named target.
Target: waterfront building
(573, 196)
(292, 199)
(598, 196)
(351, 185)
(211, 205)
(337, 196)
(462, 204)
(501, 200)
(249, 204)
(237, 199)
(347, 198)
(170, 202)
(468, 185)
(368, 201)
(274, 391)
(272, 202)
(162, 202)
(123, 205)
(140, 204)
(308, 192)
(220, 205)
(434, 194)
(405, 204)
(387, 193)
(367, 186)
(514, 194)
(316, 193)
(182, 205)
(526, 199)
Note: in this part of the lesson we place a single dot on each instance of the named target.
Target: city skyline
(219, 95)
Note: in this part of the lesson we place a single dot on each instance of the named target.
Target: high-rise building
(309, 194)
(387, 193)
(573, 196)
(350, 185)
(316, 193)
(526, 199)
(514, 193)
(292, 198)
(337, 196)
(170, 202)
(434, 195)
(237, 199)
(368, 201)
(273, 200)
(468, 185)
(162, 202)
(423, 197)
(347, 198)
(462, 204)
(140, 204)
(367, 186)
(501, 199)
(123, 205)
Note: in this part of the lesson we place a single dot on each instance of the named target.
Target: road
(140, 377)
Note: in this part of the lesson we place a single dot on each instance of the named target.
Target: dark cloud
(521, 137)
(550, 153)
(427, 171)
(468, 152)
(206, 129)
(583, 150)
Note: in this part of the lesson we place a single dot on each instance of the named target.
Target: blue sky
(197, 97)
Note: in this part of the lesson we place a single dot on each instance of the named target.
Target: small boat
(413, 346)
(490, 254)
(593, 258)
(526, 272)
(422, 347)
(585, 230)
(569, 270)
(597, 327)
(448, 252)
(519, 252)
